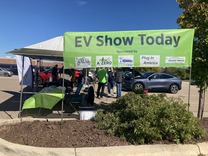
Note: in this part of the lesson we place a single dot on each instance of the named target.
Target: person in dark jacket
(118, 79)
(111, 80)
(90, 96)
(55, 73)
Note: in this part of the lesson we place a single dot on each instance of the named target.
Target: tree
(195, 15)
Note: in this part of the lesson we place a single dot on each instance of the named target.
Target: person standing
(61, 71)
(118, 79)
(102, 79)
(86, 81)
(80, 83)
(55, 73)
(110, 81)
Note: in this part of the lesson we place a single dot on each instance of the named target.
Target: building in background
(10, 64)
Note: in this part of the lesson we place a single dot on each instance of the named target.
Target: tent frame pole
(63, 96)
(21, 93)
(189, 91)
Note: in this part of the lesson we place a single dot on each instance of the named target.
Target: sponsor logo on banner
(82, 62)
(173, 59)
(149, 60)
(126, 61)
(104, 61)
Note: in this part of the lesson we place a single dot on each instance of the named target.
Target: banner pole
(20, 104)
(63, 96)
(189, 91)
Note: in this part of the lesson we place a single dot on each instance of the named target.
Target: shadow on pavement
(71, 105)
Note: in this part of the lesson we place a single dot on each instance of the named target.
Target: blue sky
(27, 22)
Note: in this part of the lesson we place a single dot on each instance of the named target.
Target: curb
(11, 149)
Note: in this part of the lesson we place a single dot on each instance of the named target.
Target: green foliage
(182, 73)
(149, 69)
(142, 118)
(139, 91)
(195, 15)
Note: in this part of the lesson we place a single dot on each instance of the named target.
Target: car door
(167, 80)
(155, 82)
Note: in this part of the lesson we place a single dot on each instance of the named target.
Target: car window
(155, 76)
(163, 76)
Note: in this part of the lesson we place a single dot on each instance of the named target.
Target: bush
(142, 118)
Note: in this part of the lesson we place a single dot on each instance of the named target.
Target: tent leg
(63, 95)
(20, 104)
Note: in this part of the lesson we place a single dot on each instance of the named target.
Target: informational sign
(149, 60)
(84, 61)
(125, 61)
(147, 48)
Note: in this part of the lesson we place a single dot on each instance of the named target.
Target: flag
(26, 67)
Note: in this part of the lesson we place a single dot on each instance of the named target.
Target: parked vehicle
(13, 70)
(152, 81)
(77, 73)
(4, 72)
(44, 76)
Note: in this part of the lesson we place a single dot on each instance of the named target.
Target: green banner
(148, 48)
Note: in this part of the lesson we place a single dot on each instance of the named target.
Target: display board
(145, 48)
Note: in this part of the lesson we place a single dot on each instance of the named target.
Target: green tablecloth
(47, 98)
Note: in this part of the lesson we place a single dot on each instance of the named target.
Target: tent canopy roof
(51, 49)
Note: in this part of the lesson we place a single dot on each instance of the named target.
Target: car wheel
(6, 74)
(138, 86)
(174, 88)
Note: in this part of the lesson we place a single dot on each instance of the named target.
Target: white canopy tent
(51, 49)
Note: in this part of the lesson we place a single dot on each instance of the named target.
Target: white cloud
(81, 3)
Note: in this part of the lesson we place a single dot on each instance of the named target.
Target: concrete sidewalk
(11, 149)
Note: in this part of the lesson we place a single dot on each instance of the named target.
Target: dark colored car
(152, 81)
